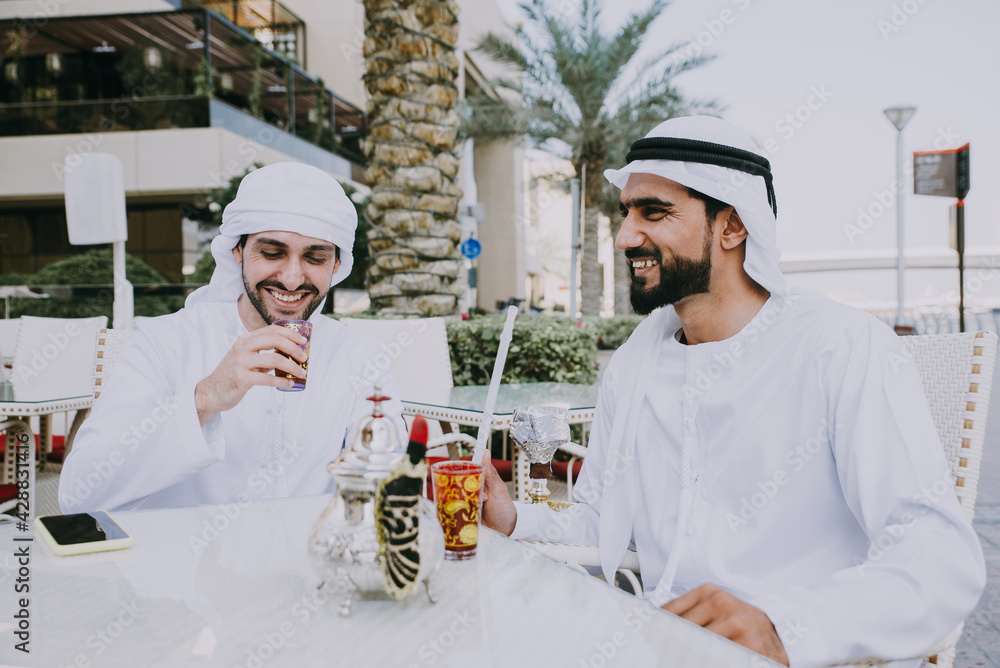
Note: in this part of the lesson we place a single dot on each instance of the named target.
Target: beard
(312, 303)
(680, 279)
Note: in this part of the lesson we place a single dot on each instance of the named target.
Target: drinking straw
(491, 396)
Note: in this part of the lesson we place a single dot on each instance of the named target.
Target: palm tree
(586, 90)
(410, 72)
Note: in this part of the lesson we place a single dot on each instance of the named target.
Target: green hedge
(543, 349)
(612, 332)
(94, 267)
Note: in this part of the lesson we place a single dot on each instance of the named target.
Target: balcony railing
(158, 70)
(43, 118)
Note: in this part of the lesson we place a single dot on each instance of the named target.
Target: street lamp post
(899, 116)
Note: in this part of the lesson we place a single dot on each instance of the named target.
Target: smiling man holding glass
(754, 443)
(193, 411)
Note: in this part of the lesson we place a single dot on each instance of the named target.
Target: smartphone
(82, 533)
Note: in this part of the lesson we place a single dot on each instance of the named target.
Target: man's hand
(499, 512)
(245, 366)
(722, 613)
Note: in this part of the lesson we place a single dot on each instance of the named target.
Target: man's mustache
(271, 283)
(652, 252)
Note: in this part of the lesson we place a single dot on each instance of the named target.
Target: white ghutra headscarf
(288, 197)
(750, 194)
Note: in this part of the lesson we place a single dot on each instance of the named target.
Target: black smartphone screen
(82, 528)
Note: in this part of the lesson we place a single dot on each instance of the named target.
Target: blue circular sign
(471, 248)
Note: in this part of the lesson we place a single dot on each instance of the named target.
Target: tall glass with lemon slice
(457, 488)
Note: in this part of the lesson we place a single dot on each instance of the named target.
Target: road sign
(942, 173)
(471, 248)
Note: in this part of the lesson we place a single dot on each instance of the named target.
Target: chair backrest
(417, 349)
(957, 374)
(8, 336)
(109, 343)
(53, 357)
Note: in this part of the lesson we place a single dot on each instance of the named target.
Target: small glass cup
(457, 487)
(303, 327)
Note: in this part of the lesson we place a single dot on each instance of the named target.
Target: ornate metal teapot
(347, 548)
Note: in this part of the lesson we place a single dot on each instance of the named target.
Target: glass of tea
(457, 486)
(303, 327)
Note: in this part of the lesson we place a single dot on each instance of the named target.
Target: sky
(809, 80)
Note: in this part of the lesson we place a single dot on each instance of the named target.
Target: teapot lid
(375, 452)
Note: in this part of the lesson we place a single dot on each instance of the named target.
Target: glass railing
(46, 118)
(194, 51)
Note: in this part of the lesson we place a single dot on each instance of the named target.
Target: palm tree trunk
(591, 275)
(623, 278)
(410, 72)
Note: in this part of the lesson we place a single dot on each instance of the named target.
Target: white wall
(39, 10)
(156, 162)
(334, 40)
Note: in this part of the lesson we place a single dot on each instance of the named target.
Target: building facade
(189, 95)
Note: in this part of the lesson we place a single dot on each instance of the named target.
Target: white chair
(53, 357)
(109, 343)
(52, 360)
(421, 363)
(956, 371)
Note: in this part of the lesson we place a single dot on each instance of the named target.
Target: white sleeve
(143, 435)
(580, 523)
(924, 571)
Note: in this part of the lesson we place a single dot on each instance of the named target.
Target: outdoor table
(21, 411)
(231, 585)
(464, 405)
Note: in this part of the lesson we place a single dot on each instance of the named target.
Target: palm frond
(626, 43)
(502, 50)
(581, 87)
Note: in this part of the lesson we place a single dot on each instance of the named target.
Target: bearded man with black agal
(741, 388)
(190, 414)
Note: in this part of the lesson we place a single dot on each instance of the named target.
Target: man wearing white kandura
(768, 452)
(191, 413)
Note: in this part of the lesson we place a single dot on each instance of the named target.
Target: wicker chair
(109, 343)
(52, 361)
(957, 374)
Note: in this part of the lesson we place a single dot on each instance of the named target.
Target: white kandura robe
(817, 488)
(143, 446)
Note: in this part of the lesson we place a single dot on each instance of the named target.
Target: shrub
(94, 267)
(203, 268)
(612, 332)
(543, 349)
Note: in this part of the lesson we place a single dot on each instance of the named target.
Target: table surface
(472, 398)
(10, 406)
(232, 586)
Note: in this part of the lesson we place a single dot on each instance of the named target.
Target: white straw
(491, 396)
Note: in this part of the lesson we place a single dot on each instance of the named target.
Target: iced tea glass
(457, 487)
(303, 327)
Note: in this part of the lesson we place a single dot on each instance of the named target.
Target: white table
(21, 411)
(464, 405)
(231, 586)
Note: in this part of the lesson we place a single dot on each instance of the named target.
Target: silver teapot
(344, 545)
